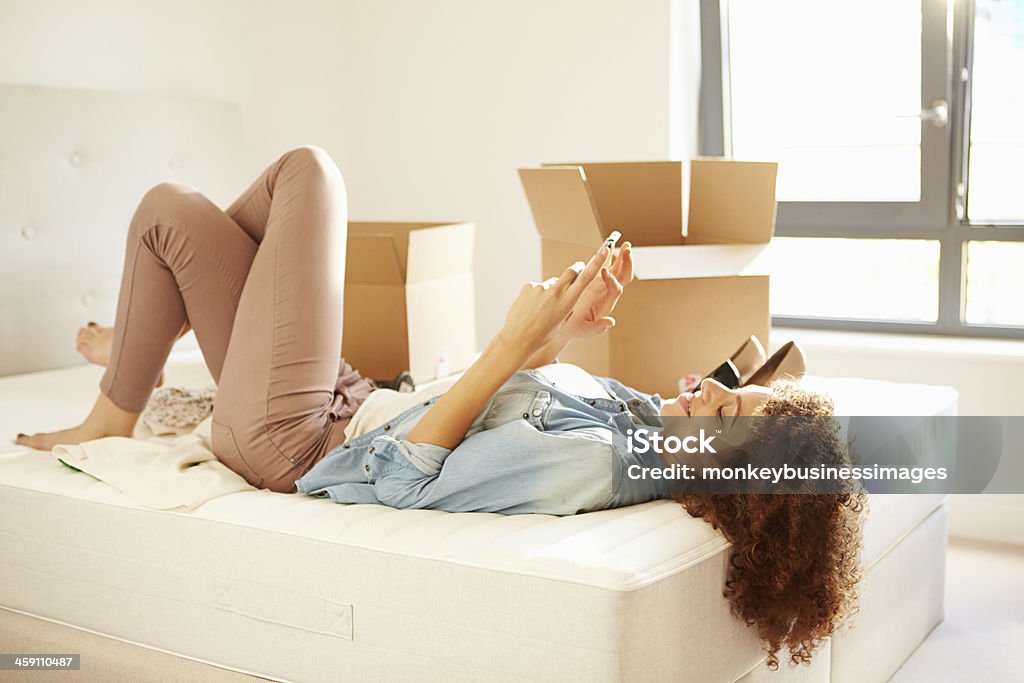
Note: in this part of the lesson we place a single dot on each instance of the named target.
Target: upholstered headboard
(73, 166)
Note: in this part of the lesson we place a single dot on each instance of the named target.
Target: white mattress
(303, 589)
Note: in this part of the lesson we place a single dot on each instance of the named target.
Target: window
(838, 127)
(997, 114)
(995, 283)
(881, 279)
(896, 125)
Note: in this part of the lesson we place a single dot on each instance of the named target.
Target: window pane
(995, 283)
(831, 91)
(997, 113)
(855, 278)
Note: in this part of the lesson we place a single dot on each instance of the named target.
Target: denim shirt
(534, 448)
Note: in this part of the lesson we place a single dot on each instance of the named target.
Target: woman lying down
(261, 284)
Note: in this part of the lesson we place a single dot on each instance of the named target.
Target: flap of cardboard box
(731, 202)
(580, 203)
(404, 253)
(373, 260)
(699, 261)
(641, 199)
(562, 207)
(583, 203)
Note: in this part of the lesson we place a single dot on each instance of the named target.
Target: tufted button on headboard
(73, 166)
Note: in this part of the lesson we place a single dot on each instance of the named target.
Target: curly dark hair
(794, 567)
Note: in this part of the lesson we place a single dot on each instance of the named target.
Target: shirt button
(373, 449)
(346, 445)
(367, 468)
(526, 416)
(387, 428)
(536, 413)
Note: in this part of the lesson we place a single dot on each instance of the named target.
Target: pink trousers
(262, 286)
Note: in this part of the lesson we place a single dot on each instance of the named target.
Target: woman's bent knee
(310, 155)
(156, 204)
(172, 205)
(312, 159)
(165, 195)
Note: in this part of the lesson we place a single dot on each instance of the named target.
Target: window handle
(938, 114)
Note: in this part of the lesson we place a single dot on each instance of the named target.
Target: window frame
(947, 33)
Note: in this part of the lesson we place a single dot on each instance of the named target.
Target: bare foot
(105, 419)
(45, 441)
(93, 342)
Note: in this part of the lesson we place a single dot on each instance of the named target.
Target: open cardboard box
(701, 287)
(409, 299)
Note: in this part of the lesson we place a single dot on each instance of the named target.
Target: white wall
(280, 62)
(429, 108)
(446, 100)
(127, 46)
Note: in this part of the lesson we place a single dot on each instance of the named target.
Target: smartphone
(610, 242)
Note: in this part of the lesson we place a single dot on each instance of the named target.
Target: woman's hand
(542, 308)
(591, 314)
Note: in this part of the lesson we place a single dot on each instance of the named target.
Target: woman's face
(713, 399)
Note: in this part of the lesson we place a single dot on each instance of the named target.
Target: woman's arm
(533, 322)
(548, 353)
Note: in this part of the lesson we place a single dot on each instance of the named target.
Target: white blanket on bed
(181, 472)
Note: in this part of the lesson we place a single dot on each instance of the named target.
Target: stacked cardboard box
(409, 299)
(700, 287)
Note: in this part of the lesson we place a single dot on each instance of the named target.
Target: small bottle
(441, 367)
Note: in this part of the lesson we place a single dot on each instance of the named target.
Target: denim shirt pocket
(517, 404)
(382, 461)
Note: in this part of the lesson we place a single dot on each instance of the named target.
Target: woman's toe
(88, 339)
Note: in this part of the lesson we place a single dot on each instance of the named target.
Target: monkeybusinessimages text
(644, 441)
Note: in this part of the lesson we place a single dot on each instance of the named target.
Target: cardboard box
(700, 288)
(409, 299)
